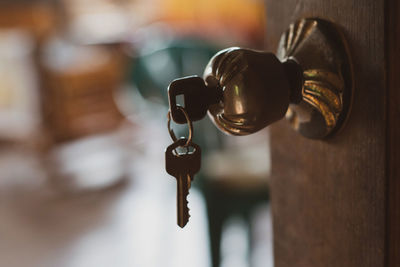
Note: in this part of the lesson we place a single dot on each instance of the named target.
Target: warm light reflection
(239, 108)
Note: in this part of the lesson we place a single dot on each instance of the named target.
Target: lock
(309, 81)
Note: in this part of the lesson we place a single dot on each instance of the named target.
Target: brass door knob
(256, 87)
(309, 81)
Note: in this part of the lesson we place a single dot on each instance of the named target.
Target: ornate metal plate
(320, 49)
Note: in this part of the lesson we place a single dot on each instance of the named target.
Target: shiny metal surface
(255, 90)
(312, 72)
(321, 51)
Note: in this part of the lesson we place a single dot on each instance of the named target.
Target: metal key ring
(189, 122)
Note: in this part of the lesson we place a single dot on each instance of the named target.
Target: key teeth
(187, 205)
(187, 202)
(183, 221)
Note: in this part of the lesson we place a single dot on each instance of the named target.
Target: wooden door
(335, 202)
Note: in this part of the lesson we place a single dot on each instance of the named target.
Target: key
(197, 98)
(183, 167)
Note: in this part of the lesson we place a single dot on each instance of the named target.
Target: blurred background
(83, 104)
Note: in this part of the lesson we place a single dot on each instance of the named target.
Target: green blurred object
(152, 71)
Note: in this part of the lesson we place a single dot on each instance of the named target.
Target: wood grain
(393, 132)
(329, 197)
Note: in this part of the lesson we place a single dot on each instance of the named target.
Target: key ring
(188, 121)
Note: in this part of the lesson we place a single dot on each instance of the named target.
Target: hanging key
(196, 95)
(183, 166)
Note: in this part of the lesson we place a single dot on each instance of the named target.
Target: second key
(183, 166)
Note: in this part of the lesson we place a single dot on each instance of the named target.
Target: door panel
(329, 197)
(393, 132)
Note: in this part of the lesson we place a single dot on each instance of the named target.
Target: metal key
(197, 98)
(183, 167)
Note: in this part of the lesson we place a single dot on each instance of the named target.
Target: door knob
(309, 81)
(256, 88)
